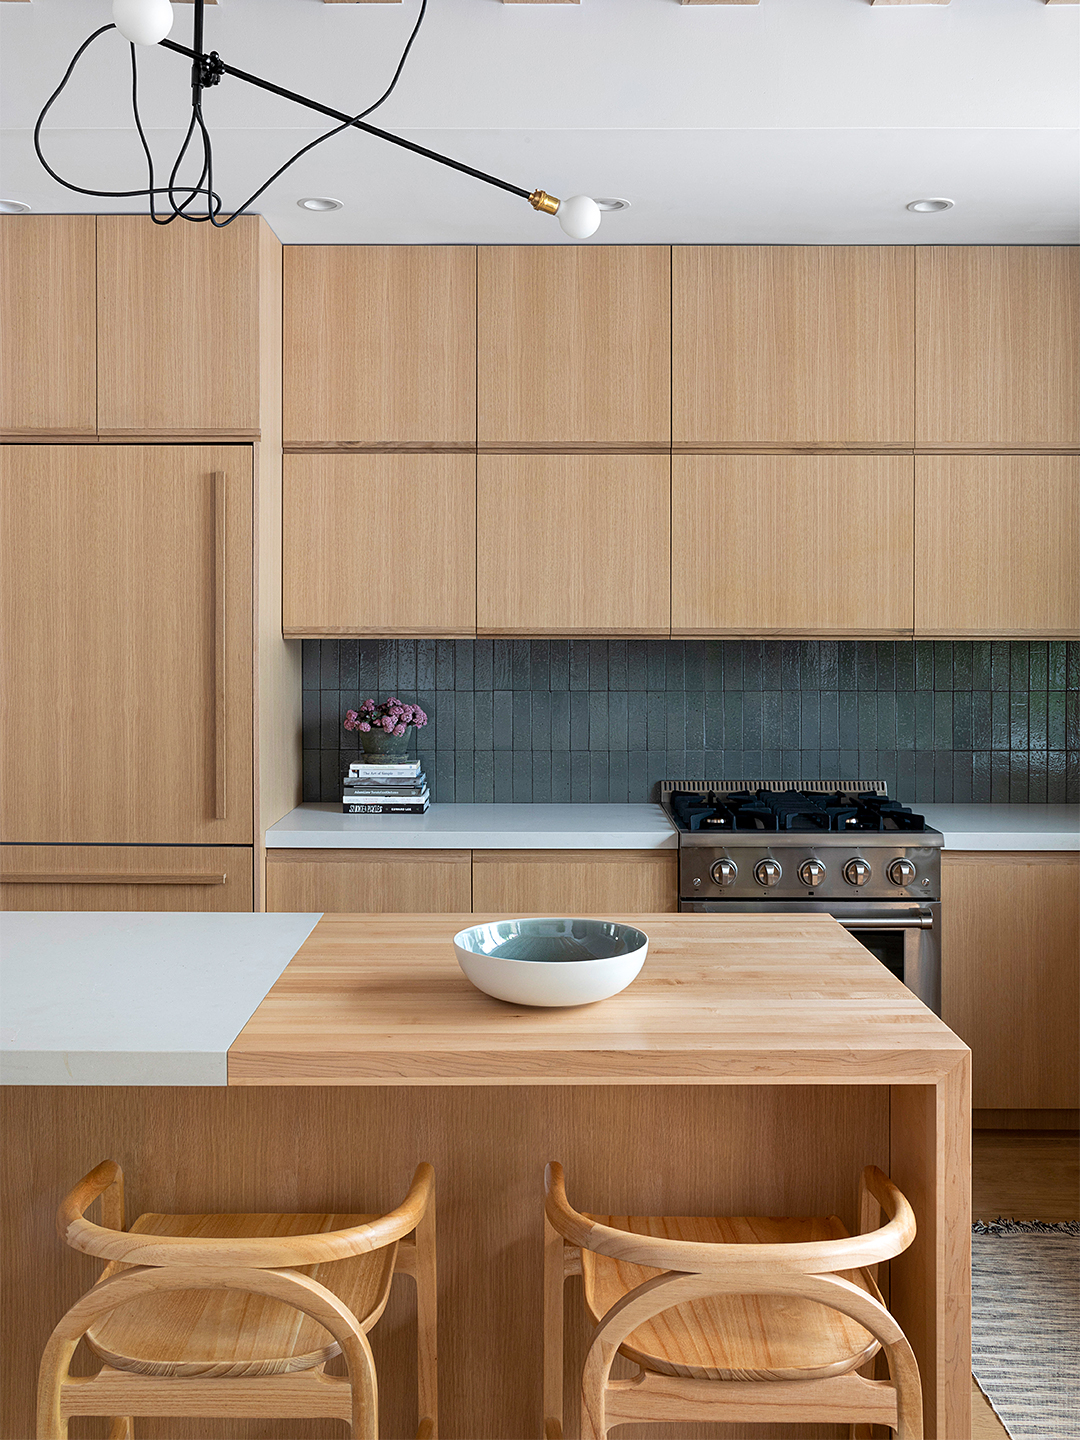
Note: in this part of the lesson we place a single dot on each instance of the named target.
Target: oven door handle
(922, 921)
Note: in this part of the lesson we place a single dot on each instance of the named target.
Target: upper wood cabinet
(369, 881)
(380, 344)
(573, 544)
(791, 545)
(189, 329)
(998, 331)
(379, 545)
(48, 382)
(125, 877)
(574, 346)
(126, 674)
(997, 545)
(1010, 977)
(792, 345)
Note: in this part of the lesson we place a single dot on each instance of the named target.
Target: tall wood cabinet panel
(1010, 974)
(369, 881)
(792, 345)
(125, 877)
(791, 545)
(48, 381)
(127, 665)
(574, 345)
(997, 545)
(180, 321)
(998, 330)
(380, 344)
(379, 545)
(575, 882)
(573, 544)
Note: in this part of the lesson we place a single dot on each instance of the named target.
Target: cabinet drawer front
(379, 545)
(792, 545)
(574, 344)
(380, 344)
(369, 881)
(575, 882)
(997, 545)
(573, 544)
(127, 669)
(125, 877)
(47, 324)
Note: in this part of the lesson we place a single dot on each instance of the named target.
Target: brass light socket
(541, 200)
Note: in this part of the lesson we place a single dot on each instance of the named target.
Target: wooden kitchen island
(755, 1066)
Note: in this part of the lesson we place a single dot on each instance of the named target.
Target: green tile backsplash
(607, 720)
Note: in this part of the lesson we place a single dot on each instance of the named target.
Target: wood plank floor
(1023, 1175)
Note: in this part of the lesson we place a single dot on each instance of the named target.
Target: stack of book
(386, 788)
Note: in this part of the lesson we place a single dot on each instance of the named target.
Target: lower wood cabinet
(369, 881)
(126, 877)
(1010, 974)
(997, 545)
(575, 882)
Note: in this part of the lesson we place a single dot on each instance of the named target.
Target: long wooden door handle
(220, 515)
(33, 878)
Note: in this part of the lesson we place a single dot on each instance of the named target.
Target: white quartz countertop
(478, 827)
(626, 827)
(1005, 827)
(113, 998)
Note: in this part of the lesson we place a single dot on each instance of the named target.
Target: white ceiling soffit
(784, 121)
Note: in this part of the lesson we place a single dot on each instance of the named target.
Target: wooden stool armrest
(106, 1180)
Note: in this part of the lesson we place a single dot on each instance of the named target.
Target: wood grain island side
(754, 1067)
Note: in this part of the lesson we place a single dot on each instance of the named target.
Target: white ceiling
(785, 121)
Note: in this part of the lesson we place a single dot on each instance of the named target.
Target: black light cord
(214, 201)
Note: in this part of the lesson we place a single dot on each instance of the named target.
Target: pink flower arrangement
(393, 716)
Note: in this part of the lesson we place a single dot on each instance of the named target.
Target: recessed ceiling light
(319, 202)
(929, 207)
(612, 202)
(13, 207)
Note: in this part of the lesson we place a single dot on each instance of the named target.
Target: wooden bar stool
(227, 1315)
(733, 1318)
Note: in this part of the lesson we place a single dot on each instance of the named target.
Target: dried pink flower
(399, 729)
(363, 726)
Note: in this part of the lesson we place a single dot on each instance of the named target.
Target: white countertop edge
(124, 1067)
(1004, 842)
(1005, 827)
(478, 827)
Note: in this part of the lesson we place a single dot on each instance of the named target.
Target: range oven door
(905, 936)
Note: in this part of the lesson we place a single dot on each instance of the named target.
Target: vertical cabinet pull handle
(219, 646)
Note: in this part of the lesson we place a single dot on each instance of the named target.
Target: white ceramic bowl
(551, 962)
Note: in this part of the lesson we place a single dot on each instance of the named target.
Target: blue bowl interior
(552, 941)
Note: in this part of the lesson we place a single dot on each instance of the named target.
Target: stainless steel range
(838, 847)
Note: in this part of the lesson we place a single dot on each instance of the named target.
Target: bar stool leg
(427, 1382)
(121, 1427)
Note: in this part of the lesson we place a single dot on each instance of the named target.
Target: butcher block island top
(380, 1000)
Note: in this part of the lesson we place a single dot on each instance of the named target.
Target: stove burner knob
(901, 872)
(857, 872)
(768, 872)
(812, 873)
(724, 872)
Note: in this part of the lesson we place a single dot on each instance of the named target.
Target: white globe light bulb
(579, 216)
(143, 22)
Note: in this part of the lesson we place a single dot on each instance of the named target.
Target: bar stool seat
(732, 1337)
(229, 1334)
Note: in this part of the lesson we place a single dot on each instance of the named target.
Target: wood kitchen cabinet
(574, 346)
(573, 544)
(369, 881)
(997, 545)
(125, 877)
(380, 345)
(998, 342)
(575, 882)
(379, 545)
(189, 329)
(48, 382)
(792, 345)
(791, 545)
(127, 664)
(1010, 974)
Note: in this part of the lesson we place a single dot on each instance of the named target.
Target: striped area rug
(1025, 1325)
